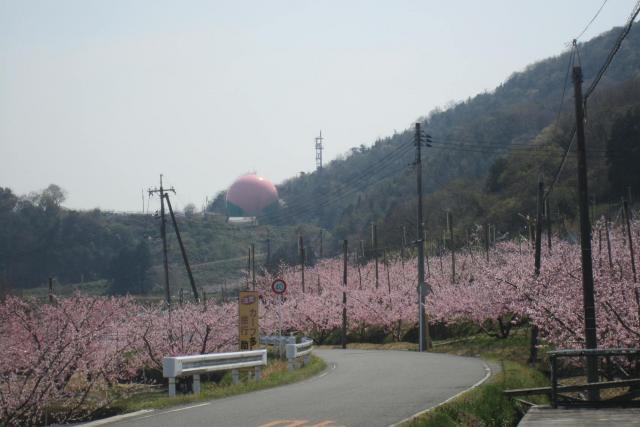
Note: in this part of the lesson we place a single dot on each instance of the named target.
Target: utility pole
(374, 244)
(163, 235)
(423, 340)
(585, 236)
(319, 149)
(183, 251)
(344, 295)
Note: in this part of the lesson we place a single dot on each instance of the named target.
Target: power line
(592, 19)
(349, 185)
(594, 84)
(612, 53)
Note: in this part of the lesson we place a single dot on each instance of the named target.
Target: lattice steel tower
(319, 151)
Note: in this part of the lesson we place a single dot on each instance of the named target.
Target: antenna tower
(319, 151)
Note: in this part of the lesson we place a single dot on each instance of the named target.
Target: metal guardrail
(302, 349)
(179, 366)
(292, 349)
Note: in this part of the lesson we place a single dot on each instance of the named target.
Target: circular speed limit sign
(279, 286)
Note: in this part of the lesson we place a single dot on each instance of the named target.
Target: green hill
(495, 132)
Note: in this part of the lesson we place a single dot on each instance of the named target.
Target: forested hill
(377, 184)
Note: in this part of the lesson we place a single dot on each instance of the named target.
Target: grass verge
(486, 405)
(275, 374)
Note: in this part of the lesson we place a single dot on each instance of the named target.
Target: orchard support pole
(253, 266)
(606, 227)
(374, 244)
(486, 241)
(50, 289)
(453, 253)
(533, 349)
(344, 295)
(301, 247)
(547, 216)
(627, 220)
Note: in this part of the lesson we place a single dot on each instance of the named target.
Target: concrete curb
(488, 373)
(115, 418)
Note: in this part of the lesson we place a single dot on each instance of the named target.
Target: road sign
(249, 330)
(279, 286)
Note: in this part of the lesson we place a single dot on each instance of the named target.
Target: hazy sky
(101, 96)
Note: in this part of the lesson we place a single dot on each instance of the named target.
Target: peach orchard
(78, 353)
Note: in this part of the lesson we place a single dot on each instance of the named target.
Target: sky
(102, 96)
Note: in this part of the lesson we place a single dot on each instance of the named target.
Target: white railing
(292, 350)
(179, 366)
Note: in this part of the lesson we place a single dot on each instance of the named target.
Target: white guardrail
(292, 350)
(180, 366)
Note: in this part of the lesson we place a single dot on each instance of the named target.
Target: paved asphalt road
(360, 388)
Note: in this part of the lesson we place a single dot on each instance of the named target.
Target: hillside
(482, 166)
(42, 239)
(376, 183)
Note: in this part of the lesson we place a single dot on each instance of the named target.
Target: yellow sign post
(248, 326)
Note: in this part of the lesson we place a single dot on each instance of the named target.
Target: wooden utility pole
(301, 247)
(182, 250)
(163, 235)
(374, 245)
(344, 294)
(423, 326)
(453, 253)
(585, 236)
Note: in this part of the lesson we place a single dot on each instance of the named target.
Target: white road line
(487, 369)
(175, 410)
(115, 418)
(186, 407)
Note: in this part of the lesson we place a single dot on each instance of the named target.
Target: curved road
(360, 388)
